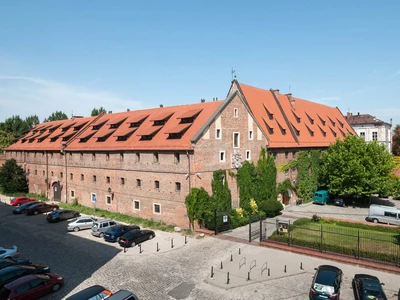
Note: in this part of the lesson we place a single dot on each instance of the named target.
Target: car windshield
(373, 294)
(113, 229)
(326, 277)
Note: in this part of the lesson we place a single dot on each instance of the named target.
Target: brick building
(144, 162)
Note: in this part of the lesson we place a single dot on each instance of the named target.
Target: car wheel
(133, 244)
(101, 234)
(56, 287)
(76, 229)
(375, 221)
(150, 236)
(35, 212)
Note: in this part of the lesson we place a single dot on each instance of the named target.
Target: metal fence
(361, 244)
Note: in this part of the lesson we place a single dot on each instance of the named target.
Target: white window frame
(251, 134)
(376, 133)
(224, 156)
(91, 197)
(216, 133)
(235, 112)
(134, 202)
(154, 208)
(108, 197)
(248, 154)
(238, 139)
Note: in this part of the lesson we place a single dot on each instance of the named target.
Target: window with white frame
(236, 140)
(218, 133)
(235, 112)
(157, 208)
(222, 156)
(374, 136)
(108, 200)
(248, 155)
(136, 204)
(362, 135)
(250, 134)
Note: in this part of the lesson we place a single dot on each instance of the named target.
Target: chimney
(276, 93)
(202, 100)
(128, 109)
(161, 105)
(216, 99)
(291, 100)
(358, 114)
(110, 111)
(349, 114)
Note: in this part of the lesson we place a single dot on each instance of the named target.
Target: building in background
(371, 129)
(144, 162)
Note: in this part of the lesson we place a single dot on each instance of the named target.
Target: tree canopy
(355, 167)
(56, 116)
(97, 111)
(6, 139)
(12, 178)
(15, 125)
(396, 140)
(198, 205)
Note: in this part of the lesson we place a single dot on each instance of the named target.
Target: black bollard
(172, 243)
(231, 257)
(239, 251)
(301, 266)
(227, 278)
(268, 272)
(185, 239)
(212, 272)
(221, 265)
(285, 269)
(140, 248)
(248, 275)
(124, 248)
(158, 249)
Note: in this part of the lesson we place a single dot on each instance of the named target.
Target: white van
(384, 214)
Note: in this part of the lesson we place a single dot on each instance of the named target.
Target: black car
(114, 233)
(326, 283)
(9, 274)
(367, 287)
(61, 214)
(339, 201)
(4, 263)
(133, 237)
(21, 209)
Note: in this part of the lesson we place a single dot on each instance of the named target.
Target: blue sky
(76, 55)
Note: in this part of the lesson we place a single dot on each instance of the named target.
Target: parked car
(21, 200)
(123, 295)
(14, 261)
(113, 233)
(92, 292)
(339, 201)
(99, 227)
(383, 214)
(8, 251)
(61, 214)
(21, 209)
(31, 287)
(367, 287)
(133, 237)
(39, 208)
(80, 223)
(326, 283)
(11, 273)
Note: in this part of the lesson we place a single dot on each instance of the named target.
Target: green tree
(32, 121)
(221, 192)
(198, 206)
(396, 140)
(97, 111)
(14, 125)
(246, 177)
(308, 173)
(56, 116)
(355, 167)
(266, 178)
(6, 139)
(12, 178)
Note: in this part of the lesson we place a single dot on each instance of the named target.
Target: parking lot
(179, 272)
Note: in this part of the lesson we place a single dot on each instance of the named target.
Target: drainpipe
(47, 174)
(66, 176)
(190, 180)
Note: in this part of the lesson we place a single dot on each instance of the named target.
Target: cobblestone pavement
(181, 272)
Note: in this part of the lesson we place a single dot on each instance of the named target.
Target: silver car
(81, 223)
(99, 227)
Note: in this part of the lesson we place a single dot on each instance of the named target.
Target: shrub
(271, 208)
(315, 218)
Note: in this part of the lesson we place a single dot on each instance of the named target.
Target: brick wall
(2, 159)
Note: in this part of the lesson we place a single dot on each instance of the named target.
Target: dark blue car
(115, 232)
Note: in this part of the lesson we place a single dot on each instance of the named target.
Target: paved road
(182, 272)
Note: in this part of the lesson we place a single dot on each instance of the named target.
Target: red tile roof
(361, 119)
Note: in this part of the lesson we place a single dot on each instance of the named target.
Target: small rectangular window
(52, 173)
(71, 176)
(93, 156)
(156, 184)
(155, 157)
(72, 193)
(107, 156)
(138, 183)
(121, 157)
(235, 112)
(94, 178)
(157, 208)
(222, 156)
(136, 205)
(374, 136)
(108, 180)
(250, 134)
(61, 174)
(44, 173)
(218, 133)
(248, 155)
(51, 155)
(137, 157)
(177, 158)
(236, 141)
(35, 172)
(82, 177)
(93, 197)
(177, 186)
(122, 180)
(362, 135)
(108, 199)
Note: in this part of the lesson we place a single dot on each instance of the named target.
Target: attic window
(333, 132)
(340, 123)
(149, 133)
(310, 119)
(333, 123)
(104, 137)
(178, 131)
(189, 116)
(161, 119)
(98, 125)
(296, 130)
(310, 131)
(79, 126)
(322, 131)
(137, 121)
(125, 134)
(42, 130)
(42, 138)
(84, 139)
(53, 139)
(270, 115)
(67, 137)
(342, 132)
(23, 141)
(283, 130)
(322, 120)
(296, 116)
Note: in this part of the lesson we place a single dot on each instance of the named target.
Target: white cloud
(27, 96)
(326, 100)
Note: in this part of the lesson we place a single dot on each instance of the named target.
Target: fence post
(249, 228)
(288, 233)
(358, 245)
(261, 233)
(215, 222)
(320, 242)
